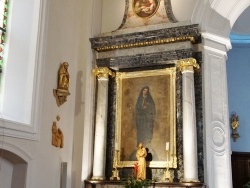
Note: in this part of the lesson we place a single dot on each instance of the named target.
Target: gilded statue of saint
(234, 121)
(63, 77)
(141, 155)
(57, 136)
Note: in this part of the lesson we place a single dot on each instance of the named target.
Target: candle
(116, 146)
(167, 145)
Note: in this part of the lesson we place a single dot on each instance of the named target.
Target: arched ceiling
(240, 32)
(242, 24)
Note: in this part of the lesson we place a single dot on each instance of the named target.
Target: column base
(190, 181)
(98, 178)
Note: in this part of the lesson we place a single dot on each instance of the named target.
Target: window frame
(17, 120)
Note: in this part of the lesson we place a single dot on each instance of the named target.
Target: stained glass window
(3, 23)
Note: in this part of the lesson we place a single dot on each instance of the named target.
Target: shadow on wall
(78, 99)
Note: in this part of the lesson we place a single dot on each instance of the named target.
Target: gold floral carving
(62, 90)
(103, 72)
(187, 64)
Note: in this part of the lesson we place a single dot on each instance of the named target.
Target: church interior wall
(68, 31)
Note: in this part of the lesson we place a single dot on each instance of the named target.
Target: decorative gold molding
(147, 43)
(103, 72)
(187, 64)
(157, 79)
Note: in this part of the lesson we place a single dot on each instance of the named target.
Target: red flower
(136, 166)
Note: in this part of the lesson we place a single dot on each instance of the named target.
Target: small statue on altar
(141, 157)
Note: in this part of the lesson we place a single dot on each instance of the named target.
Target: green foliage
(247, 185)
(131, 182)
(1, 65)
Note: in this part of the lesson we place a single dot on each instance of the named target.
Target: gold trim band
(147, 43)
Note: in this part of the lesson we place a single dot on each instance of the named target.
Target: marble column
(101, 123)
(189, 120)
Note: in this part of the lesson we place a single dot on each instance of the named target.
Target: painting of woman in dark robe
(145, 116)
(145, 113)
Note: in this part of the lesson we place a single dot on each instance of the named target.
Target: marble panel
(146, 38)
(146, 50)
(145, 60)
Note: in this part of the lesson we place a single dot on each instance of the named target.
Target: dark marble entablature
(146, 38)
(144, 60)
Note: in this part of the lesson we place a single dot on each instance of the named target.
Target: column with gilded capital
(101, 122)
(189, 120)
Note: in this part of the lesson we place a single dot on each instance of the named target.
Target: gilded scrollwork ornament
(103, 72)
(188, 64)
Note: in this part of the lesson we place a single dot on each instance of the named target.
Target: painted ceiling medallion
(140, 13)
(145, 8)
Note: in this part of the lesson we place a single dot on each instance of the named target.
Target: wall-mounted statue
(62, 90)
(57, 136)
(235, 124)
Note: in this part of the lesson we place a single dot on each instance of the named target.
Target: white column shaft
(217, 149)
(189, 128)
(100, 130)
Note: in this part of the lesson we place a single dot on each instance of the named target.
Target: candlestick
(167, 146)
(116, 146)
(167, 175)
(115, 172)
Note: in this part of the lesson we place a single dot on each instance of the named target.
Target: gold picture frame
(156, 130)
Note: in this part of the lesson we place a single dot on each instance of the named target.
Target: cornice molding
(217, 39)
(146, 38)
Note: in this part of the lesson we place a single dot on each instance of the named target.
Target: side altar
(113, 184)
(148, 91)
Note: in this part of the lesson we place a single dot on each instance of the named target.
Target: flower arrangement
(247, 185)
(132, 182)
(136, 166)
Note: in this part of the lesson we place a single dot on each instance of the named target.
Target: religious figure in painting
(145, 8)
(145, 116)
(141, 155)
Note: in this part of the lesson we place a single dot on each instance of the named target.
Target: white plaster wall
(6, 169)
(112, 14)
(113, 11)
(62, 44)
(19, 175)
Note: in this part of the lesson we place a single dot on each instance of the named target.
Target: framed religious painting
(146, 113)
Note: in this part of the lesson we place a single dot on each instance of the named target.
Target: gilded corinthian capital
(103, 72)
(187, 64)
